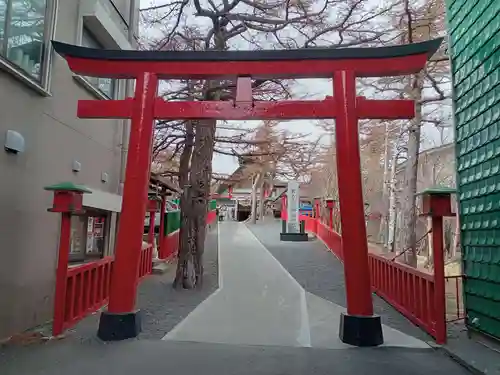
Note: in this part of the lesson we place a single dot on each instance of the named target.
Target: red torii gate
(359, 326)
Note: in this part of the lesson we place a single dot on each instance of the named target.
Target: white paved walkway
(259, 303)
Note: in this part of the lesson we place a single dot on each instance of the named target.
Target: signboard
(90, 235)
(292, 197)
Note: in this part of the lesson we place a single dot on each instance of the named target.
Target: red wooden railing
(407, 289)
(87, 286)
(87, 290)
(310, 223)
(146, 261)
(331, 239)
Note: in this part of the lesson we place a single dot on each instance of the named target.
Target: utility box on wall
(474, 47)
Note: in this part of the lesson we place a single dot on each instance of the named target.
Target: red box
(437, 202)
(67, 201)
(153, 205)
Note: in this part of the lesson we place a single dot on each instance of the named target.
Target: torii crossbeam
(359, 326)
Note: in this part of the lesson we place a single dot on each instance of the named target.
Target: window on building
(89, 235)
(23, 34)
(105, 86)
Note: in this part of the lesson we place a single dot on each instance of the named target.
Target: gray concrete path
(259, 303)
(186, 358)
(319, 272)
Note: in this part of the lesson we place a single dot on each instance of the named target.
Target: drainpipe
(128, 87)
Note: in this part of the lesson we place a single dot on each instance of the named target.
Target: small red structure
(68, 201)
(359, 326)
(436, 203)
(330, 205)
(167, 245)
(155, 203)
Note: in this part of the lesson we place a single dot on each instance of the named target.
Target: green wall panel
(173, 218)
(212, 205)
(474, 37)
(172, 221)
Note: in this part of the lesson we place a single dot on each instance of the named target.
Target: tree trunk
(255, 187)
(392, 206)
(183, 276)
(386, 186)
(261, 200)
(409, 213)
(430, 254)
(200, 177)
(272, 176)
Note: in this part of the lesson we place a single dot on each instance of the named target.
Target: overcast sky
(311, 89)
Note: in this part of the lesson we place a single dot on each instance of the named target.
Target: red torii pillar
(122, 320)
(359, 326)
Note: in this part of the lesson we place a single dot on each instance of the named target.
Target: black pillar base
(117, 327)
(361, 330)
(294, 237)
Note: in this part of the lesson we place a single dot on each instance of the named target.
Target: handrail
(403, 267)
(408, 290)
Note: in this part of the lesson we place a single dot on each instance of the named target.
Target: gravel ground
(162, 306)
(321, 273)
(165, 307)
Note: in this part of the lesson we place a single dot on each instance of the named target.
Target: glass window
(22, 34)
(78, 238)
(104, 85)
(88, 235)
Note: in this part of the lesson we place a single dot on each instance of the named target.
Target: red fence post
(121, 321)
(436, 203)
(439, 281)
(67, 200)
(62, 274)
(359, 326)
(330, 207)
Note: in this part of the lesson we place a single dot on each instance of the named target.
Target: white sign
(292, 203)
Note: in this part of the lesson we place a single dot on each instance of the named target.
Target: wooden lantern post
(68, 201)
(316, 208)
(330, 204)
(153, 207)
(436, 204)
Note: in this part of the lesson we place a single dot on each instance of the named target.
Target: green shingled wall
(474, 31)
